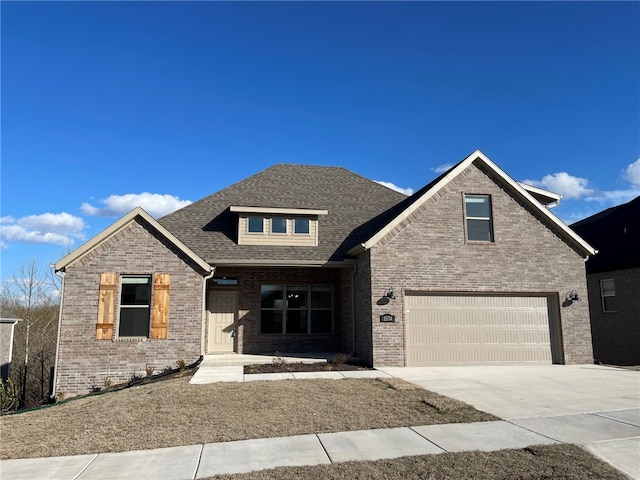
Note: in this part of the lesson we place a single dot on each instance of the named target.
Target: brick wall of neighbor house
(428, 252)
(84, 361)
(249, 340)
(616, 335)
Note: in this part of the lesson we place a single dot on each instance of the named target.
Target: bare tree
(32, 295)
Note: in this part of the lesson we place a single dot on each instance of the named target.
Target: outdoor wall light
(390, 294)
(573, 296)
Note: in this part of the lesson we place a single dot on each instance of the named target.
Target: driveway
(531, 391)
(590, 405)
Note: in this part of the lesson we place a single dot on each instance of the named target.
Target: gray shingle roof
(353, 202)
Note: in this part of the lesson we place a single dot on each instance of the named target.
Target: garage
(454, 329)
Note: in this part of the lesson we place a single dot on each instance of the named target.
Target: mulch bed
(301, 367)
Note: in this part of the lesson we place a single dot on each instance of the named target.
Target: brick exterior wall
(363, 303)
(616, 335)
(84, 361)
(249, 340)
(429, 253)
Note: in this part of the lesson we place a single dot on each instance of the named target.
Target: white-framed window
(608, 294)
(279, 225)
(301, 226)
(255, 224)
(296, 309)
(135, 306)
(478, 218)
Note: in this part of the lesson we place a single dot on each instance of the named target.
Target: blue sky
(109, 105)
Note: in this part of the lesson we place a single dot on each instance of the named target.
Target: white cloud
(442, 168)
(51, 228)
(566, 185)
(392, 186)
(632, 173)
(155, 204)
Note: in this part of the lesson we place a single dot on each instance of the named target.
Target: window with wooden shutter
(106, 306)
(160, 312)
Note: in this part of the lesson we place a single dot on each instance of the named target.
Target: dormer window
(255, 224)
(301, 226)
(277, 226)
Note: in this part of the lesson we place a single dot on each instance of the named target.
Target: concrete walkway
(613, 435)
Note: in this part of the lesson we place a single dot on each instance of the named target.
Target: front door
(222, 321)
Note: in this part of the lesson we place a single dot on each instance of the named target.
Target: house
(613, 280)
(6, 345)
(471, 269)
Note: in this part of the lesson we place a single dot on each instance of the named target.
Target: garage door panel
(450, 329)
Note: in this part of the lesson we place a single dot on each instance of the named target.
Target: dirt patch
(174, 412)
(301, 367)
(557, 462)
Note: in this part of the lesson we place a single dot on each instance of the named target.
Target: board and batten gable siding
(85, 360)
(428, 252)
(268, 238)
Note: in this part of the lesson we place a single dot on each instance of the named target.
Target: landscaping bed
(301, 367)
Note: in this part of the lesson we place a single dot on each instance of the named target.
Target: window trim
(603, 296)
(308, 309)
(148, 307)
(488, 219)
(295, 223)
(255, 232)
(286, 226)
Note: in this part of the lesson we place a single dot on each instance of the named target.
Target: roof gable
(137, 212)
(414, 202)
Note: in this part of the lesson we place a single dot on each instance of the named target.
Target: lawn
(173, 412)
(552, 462)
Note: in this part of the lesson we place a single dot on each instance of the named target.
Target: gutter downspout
(204, 309)
(54, 383)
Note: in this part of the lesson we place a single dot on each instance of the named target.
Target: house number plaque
(387, 317)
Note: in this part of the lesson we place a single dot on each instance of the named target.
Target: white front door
(222, 321)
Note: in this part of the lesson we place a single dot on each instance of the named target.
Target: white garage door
(476, 330)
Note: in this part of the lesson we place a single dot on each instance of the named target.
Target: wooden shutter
(106, 306)
(160, 312)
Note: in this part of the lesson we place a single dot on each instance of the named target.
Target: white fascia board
(278, 210)
(553, 197)
(119, 225)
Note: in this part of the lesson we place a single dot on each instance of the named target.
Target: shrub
(8, 397)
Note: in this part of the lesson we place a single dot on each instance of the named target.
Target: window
(135, 306)
(137, 317)
(296, 309)
(478, 218)
(255, 225)
(301, 226)
(608, 292)
(278, 225)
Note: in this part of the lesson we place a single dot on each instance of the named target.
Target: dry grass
(173, 412)
(557, 462)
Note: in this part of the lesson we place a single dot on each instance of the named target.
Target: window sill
(132, 339)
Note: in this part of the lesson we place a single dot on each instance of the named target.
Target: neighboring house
(6, 345)
(471, 269)
(613, 278)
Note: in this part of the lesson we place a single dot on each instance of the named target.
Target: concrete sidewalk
(611, 434)
(200, 461)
